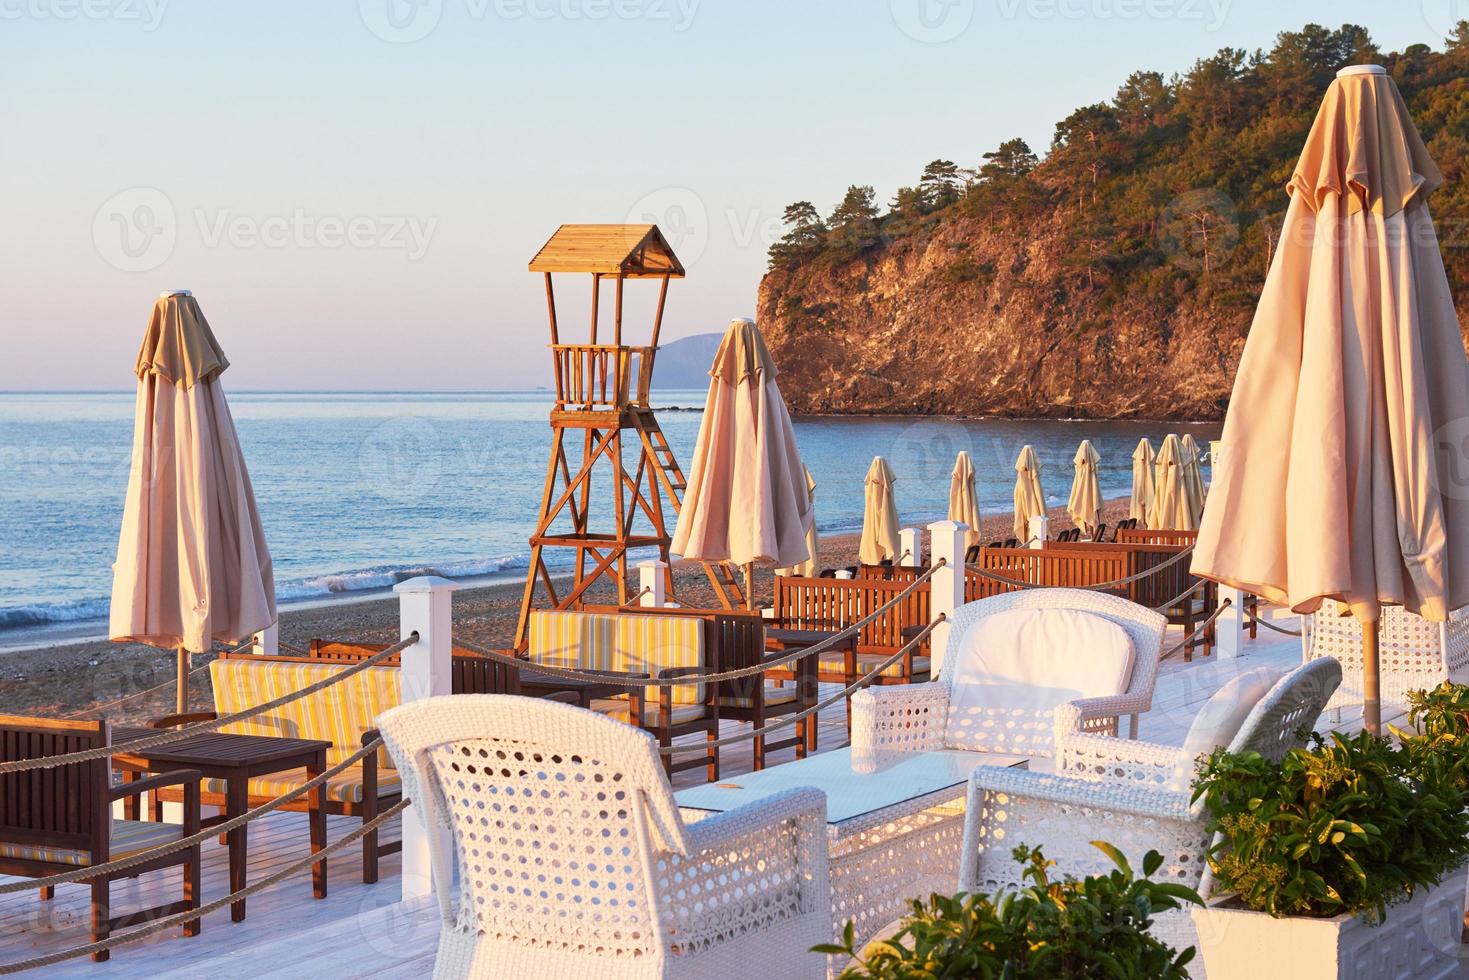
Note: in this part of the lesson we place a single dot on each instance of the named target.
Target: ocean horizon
(359, 490)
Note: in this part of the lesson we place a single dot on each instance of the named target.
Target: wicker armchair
(914, 717)
(1413, 653)
(573, 860)
(1123, 792)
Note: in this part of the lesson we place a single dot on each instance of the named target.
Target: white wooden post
(1039, 529)
(425, 605)
(1230, 626)
(653, 583)
(910, 548)
(946, 588)
(267, 643)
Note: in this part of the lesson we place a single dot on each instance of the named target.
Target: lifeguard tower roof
(632, 251)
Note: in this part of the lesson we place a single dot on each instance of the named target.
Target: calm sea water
(360, 490)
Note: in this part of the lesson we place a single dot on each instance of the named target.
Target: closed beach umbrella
(1328, 485)
(1193, 475)
(1085, 505)
(809, 567)
(747, 499)
(879, 516)
(1142, 482)
(192, 564)
(963, 501)
(1030, 499)
(1172, 510)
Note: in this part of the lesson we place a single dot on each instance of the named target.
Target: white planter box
(1419, 940)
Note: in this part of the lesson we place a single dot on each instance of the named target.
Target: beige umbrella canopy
(1172, 509)
(1030, 499)
(963, 500)
(192, 563)
(1354, 368)
(1143, 460)
(747, 499)
(809, 567)
(1085, 504)
(879, 516)
(1193, 475)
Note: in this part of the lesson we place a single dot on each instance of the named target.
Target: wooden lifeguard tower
(602, 393)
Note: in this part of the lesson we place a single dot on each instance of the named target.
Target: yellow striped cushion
(867, 661)
(344, 787)
(339, 714)
(128, 837)
(627, 643)
(773, 695)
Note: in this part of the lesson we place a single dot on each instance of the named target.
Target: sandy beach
(85, 678)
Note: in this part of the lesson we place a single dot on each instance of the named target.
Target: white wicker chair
(914, 717)
(1413, 653)
(573, 860)
(1116, 791)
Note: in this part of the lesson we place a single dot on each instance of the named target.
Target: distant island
(1116, 276)
(684, 363)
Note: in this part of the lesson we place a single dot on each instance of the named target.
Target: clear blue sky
(353, 188)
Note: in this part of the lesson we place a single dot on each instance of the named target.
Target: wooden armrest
(672, 672)
(178, 777)
(175, 721)
(371, 735)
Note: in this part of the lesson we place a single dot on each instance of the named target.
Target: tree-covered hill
(1112, 276)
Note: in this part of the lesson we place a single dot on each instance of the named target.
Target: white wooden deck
(361, 930)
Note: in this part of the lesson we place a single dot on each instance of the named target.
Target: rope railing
(213, 830)
(1269, 625)
(1180, 597)
(815, 649)
(179, 918)
(1198, 632)
(1115, 583)
(214, 724)
(864, 681)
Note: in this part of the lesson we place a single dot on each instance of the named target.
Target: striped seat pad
(339, 714)
(344, 787)
(128, 838)
(679, 714)
(774, 695)
(625, 643)
(867, 661)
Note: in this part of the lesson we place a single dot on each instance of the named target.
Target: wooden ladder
(671, 476)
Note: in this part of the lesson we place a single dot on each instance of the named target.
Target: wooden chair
(361, 791)
(471, 673)
(56, 820)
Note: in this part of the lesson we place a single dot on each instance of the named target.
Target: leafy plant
(1443, 711)
(1096, 927)
(1352, 824)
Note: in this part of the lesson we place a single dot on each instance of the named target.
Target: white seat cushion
(1220, 719)
(1015, 667)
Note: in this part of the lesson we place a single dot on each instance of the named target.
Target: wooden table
(791, 639)
(235, 759)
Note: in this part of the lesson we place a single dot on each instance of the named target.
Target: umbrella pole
(181, 700)
(749, 585)
(1371, 699)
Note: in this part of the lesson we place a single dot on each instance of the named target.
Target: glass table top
(849, 794)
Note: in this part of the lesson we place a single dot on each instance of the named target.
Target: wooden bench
(56, 820)
(343, 714)
(833, 604)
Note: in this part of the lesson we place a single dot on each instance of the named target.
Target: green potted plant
(1348, 855)
(1097, 927)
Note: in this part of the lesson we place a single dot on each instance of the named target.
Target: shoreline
(83, 676)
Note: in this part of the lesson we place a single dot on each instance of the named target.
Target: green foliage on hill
(1176, 184)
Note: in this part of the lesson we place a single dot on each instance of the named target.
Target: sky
(353, 188)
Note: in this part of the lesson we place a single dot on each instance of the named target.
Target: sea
(360, 490)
